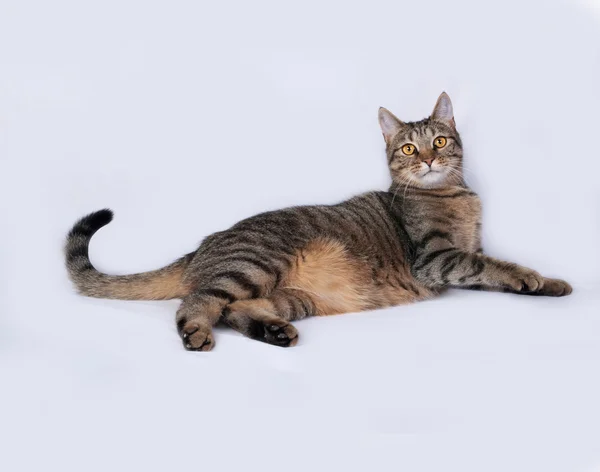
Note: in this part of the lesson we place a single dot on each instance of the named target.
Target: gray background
(185, 117)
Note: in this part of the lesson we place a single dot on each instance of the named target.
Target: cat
(375, 250)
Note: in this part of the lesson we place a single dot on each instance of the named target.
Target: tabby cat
(375, 250)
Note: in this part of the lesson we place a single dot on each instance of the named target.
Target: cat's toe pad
(279, 333)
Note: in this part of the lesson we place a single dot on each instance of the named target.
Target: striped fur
(162, 284)
(375, 250)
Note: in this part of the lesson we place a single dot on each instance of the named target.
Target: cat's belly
(339, 282)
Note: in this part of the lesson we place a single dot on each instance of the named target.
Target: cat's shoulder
(372, 197)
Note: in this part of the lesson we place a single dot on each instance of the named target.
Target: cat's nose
(429, 161)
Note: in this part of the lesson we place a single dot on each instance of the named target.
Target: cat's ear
(443, 110)
(390, 125)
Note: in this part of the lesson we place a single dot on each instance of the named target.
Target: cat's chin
(432, 179)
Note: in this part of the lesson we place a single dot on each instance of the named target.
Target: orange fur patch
(339, 283)
(160, 286)
(335, 282)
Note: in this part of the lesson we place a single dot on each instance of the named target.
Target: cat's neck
(444, 191)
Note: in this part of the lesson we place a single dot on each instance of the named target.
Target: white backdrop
(184, 117)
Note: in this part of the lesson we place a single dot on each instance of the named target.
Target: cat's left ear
(443, 110)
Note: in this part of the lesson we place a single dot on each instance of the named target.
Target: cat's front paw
(524, 280)
(555, 288)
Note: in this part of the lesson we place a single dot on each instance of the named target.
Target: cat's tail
(161, 284)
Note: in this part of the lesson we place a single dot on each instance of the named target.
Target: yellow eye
(440, 142)
(408, 149)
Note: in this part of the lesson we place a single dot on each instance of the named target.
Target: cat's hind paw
(276, 332)
(196, 337)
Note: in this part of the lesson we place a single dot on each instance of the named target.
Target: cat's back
(361, 214)
(364, 225)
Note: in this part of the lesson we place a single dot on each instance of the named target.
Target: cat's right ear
(443, 110)
(390, 125)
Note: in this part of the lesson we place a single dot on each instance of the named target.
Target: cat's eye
(440, 142)
(408, 149)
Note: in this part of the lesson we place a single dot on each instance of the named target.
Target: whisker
(410, 180)
(459, 176)
(456, 172)
(402, 180)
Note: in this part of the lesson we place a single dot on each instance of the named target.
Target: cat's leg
(198, 313)
(224, 280)
(455, 268)
(267, 319)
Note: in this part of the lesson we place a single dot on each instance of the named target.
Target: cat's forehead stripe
(420, 130)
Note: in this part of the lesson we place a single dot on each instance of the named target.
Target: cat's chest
(457, 217)
(464, 217)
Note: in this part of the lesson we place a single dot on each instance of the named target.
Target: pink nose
(429, 161)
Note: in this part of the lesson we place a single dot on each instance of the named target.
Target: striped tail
(162, 284)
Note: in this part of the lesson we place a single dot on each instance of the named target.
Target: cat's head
(426, 153)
